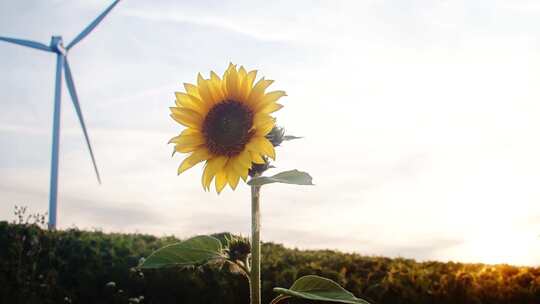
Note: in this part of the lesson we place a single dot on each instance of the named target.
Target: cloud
(417, 117)
(276, 22)
(211, 21)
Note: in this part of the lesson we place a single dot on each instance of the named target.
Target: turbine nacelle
(57, 45)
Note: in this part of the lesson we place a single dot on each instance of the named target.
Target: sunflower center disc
(227, 128)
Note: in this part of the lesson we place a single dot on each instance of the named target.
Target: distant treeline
(74, 266)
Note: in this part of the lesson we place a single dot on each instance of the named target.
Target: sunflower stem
(255, 282)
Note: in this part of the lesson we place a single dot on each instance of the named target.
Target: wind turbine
(57, 46)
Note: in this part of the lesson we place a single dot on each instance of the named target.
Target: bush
(74, 266)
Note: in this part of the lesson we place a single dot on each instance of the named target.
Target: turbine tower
(57, 46)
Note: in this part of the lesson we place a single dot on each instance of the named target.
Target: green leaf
(191, 252)
(312, 287)
(291, 137)
(223, 237)
(287, 177)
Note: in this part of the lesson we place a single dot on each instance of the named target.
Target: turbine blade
(28, 43)
(75, 99)
(91, 26)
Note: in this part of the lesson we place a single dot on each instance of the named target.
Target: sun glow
(511, 247)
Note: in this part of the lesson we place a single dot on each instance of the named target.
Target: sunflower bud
(238, 248)
(258, 169)
(276, 136)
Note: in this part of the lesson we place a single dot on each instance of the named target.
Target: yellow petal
(242, 74)
(236, 164)
(241, 171)
(262, 145)
(265, 127)
(256, 158)
(243, 84)
(221, 180)
(233, 181)
(206, 177)
(224, 80)
(190, 102)
(192, 90)
(232, 176)
(244, 159)
(229, 69)
(192, 138)
(267, 99)
(270, 108)
(189, 140)
(214, 76)
(214, 86)
(213, 166)
(274, 96)
(251, 78)
(232, 84)
(195, 158)
(204, 91)
(187, 117)
(187, 131)
(239, 165)
(186, 148)
(258, 91)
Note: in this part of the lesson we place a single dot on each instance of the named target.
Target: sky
(419, 118)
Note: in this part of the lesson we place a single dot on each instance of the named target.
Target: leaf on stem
(195, 251)
(294, 177)
(291, 137)
(312, 287)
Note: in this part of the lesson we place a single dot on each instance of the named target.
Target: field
(74, 266)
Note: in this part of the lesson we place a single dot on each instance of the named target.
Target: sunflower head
(238, 248)
(227, 121)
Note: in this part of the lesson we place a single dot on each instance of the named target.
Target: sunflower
(227, 121)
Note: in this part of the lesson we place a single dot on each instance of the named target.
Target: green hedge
(74, 266)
